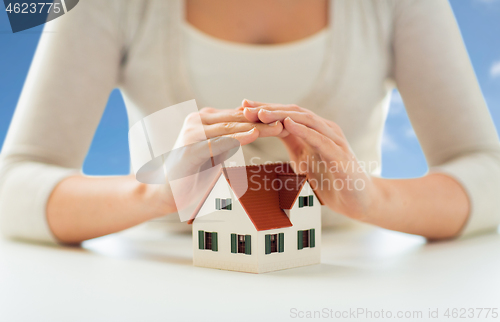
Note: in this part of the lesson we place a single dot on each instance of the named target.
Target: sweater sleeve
(74, 69)
(445, 105)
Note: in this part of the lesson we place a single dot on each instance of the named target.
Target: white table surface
(146, 274)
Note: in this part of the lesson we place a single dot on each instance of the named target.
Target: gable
(292, 184)
(261, 200)
(270, 189)
(220, 219)
(220, 187)
(220, 190)
(306, 191)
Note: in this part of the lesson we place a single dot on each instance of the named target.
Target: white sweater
(138, 46)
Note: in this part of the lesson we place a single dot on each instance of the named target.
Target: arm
(43, 195)
(74, 69)
(450, 118)
(434, 206)
(448, 113)
(81, 207)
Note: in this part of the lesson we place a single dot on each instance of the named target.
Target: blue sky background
(479, 21)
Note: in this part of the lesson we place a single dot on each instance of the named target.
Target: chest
(348, 78)
(258, 21)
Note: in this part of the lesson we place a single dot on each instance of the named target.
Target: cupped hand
(207, 138)
(224, 123)
(318, 147)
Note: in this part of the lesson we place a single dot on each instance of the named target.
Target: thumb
(293, 144)
(249, 103)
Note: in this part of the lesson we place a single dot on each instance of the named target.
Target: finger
(319, 142)
(253, 108)
(251, 114)
(284, 133)
(245, 137)
(291, 107)
(310, 120)
(220, 116)
(265, 130)
(284, 107)
(208, 109)
(225, 143)
(336, 128)
(249, 103)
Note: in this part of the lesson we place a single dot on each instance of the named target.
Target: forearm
(82, 207)
(435, 206)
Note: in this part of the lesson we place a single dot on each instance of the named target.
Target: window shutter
(268, 244)
(217, 203)
(248, 244)
(301, 202)
(310, 201)
(281, 241)
(229, 204)
(312, 238)
(201, 239)
(233, 244)
(299, 239)
(215, 247)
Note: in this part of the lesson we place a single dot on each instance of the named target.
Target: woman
(327, 66)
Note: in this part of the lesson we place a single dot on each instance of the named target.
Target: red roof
(291, 185)
(271, 188)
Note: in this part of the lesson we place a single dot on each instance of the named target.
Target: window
(306, 201)
(223, 204)
(241, 244)
(275, 243)
(207, 240)
(306, 238)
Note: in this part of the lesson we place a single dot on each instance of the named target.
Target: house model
(275, 224)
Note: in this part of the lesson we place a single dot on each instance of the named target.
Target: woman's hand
(319, 148)
(207, 138)
(224, 123)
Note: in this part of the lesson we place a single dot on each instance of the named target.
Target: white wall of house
(225, 222)
(306, 217)
(302, 219)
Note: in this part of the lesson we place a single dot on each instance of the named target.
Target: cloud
(495, 69)
(397, 106)
(410, 133)
(396, 98)
(388, 143)
(486, 1)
